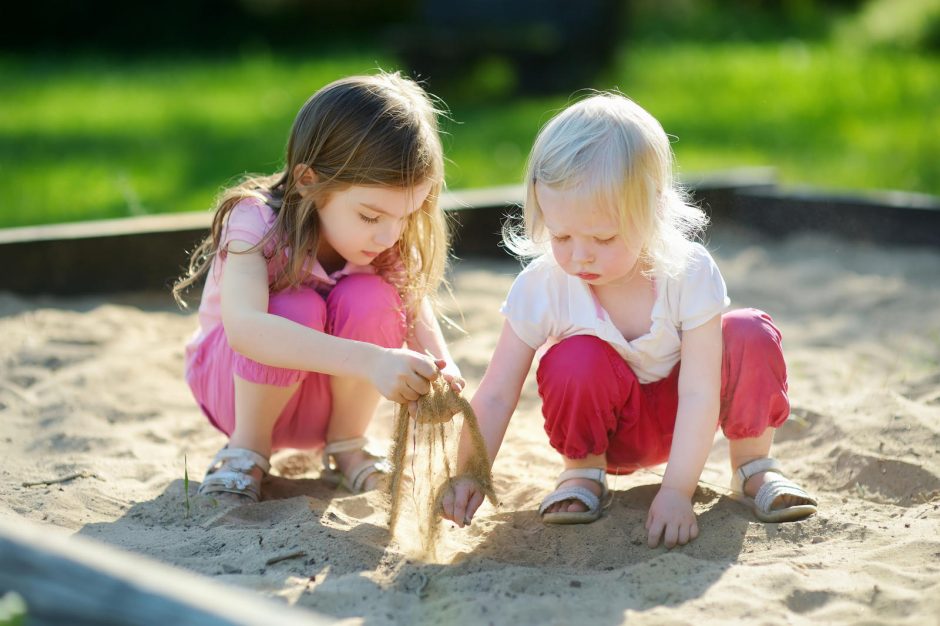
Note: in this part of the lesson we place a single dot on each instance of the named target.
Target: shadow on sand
(331, 552)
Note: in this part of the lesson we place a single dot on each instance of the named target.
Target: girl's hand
(451, 374)
(402, 375)
(461, 500)
(671, 517)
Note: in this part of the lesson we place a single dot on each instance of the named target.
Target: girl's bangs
(604, 185)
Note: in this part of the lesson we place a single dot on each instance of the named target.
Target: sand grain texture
(92, 389)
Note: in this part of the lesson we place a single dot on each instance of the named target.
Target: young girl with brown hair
(316, 277)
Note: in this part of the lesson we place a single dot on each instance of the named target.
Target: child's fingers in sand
(461, 501)
(671, 519)
(672, 533)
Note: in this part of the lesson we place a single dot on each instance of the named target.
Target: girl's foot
(236, 471)
(752, 486)
(771, 495)
(579, 497)
(573, 505)
(347, 463)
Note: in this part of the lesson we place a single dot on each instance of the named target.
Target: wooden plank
(201, 220)
(148, 252)
(878, 217)
(74, 580)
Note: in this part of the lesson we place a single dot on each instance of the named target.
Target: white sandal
(230, 472)
(354, 481)
(762, 503)
(595, 504)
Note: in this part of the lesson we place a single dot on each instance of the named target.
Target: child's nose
(387, 235)
(581, 253)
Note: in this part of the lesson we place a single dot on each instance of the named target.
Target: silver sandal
(763, 502)
(230, 472)
(355, 481)
(595, 504)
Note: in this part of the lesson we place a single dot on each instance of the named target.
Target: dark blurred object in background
(180, 26)
(502, 46)
(529, 46)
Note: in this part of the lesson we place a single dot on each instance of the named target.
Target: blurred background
(115, 108)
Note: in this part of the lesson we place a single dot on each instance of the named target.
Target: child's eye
(367, 219)
(604, 242)
(560, 238)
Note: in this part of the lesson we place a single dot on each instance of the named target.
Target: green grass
(97, 138)
(825, 116)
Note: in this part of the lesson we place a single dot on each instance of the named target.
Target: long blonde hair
(618, 155)
(361, 130)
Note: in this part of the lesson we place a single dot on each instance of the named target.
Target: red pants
(593, 403)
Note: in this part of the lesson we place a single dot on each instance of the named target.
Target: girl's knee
(303, 306)
(261, 374)
(584, 385)
(754, 375)
(751, 327)
(582, 359)
(361, 295)
(366, 307)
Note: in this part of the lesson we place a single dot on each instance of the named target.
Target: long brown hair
(361, 130)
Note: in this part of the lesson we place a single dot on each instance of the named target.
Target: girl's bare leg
(354, 403)
(257, 407)
(742, 451)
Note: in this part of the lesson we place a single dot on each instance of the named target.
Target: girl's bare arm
(697, 416)
(498, 394)
(671, 517)
(427, 338)
(493, 403)
(399, 375)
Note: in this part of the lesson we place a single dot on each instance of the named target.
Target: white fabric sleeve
(526, 308)
(703, 294)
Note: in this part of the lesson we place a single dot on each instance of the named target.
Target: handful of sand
(435, 446)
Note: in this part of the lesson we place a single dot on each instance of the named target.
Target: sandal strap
(231, 481)
(237, 459)
(355, 479)
(343, 445)
(582, 494)
(772, 490)
(361, 473)
(230, 472)
(597, 474)
(750, 469)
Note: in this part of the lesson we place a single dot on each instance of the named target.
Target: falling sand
(433, 430)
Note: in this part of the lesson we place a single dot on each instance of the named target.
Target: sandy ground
(93, 387)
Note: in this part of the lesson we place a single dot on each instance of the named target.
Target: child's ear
(304, 176)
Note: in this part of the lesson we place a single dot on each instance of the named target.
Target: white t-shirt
(546, 305)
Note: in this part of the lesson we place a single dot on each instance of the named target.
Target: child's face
(360, 222)
(586, 238)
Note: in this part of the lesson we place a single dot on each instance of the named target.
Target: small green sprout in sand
(186, 485)
(12, 610)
